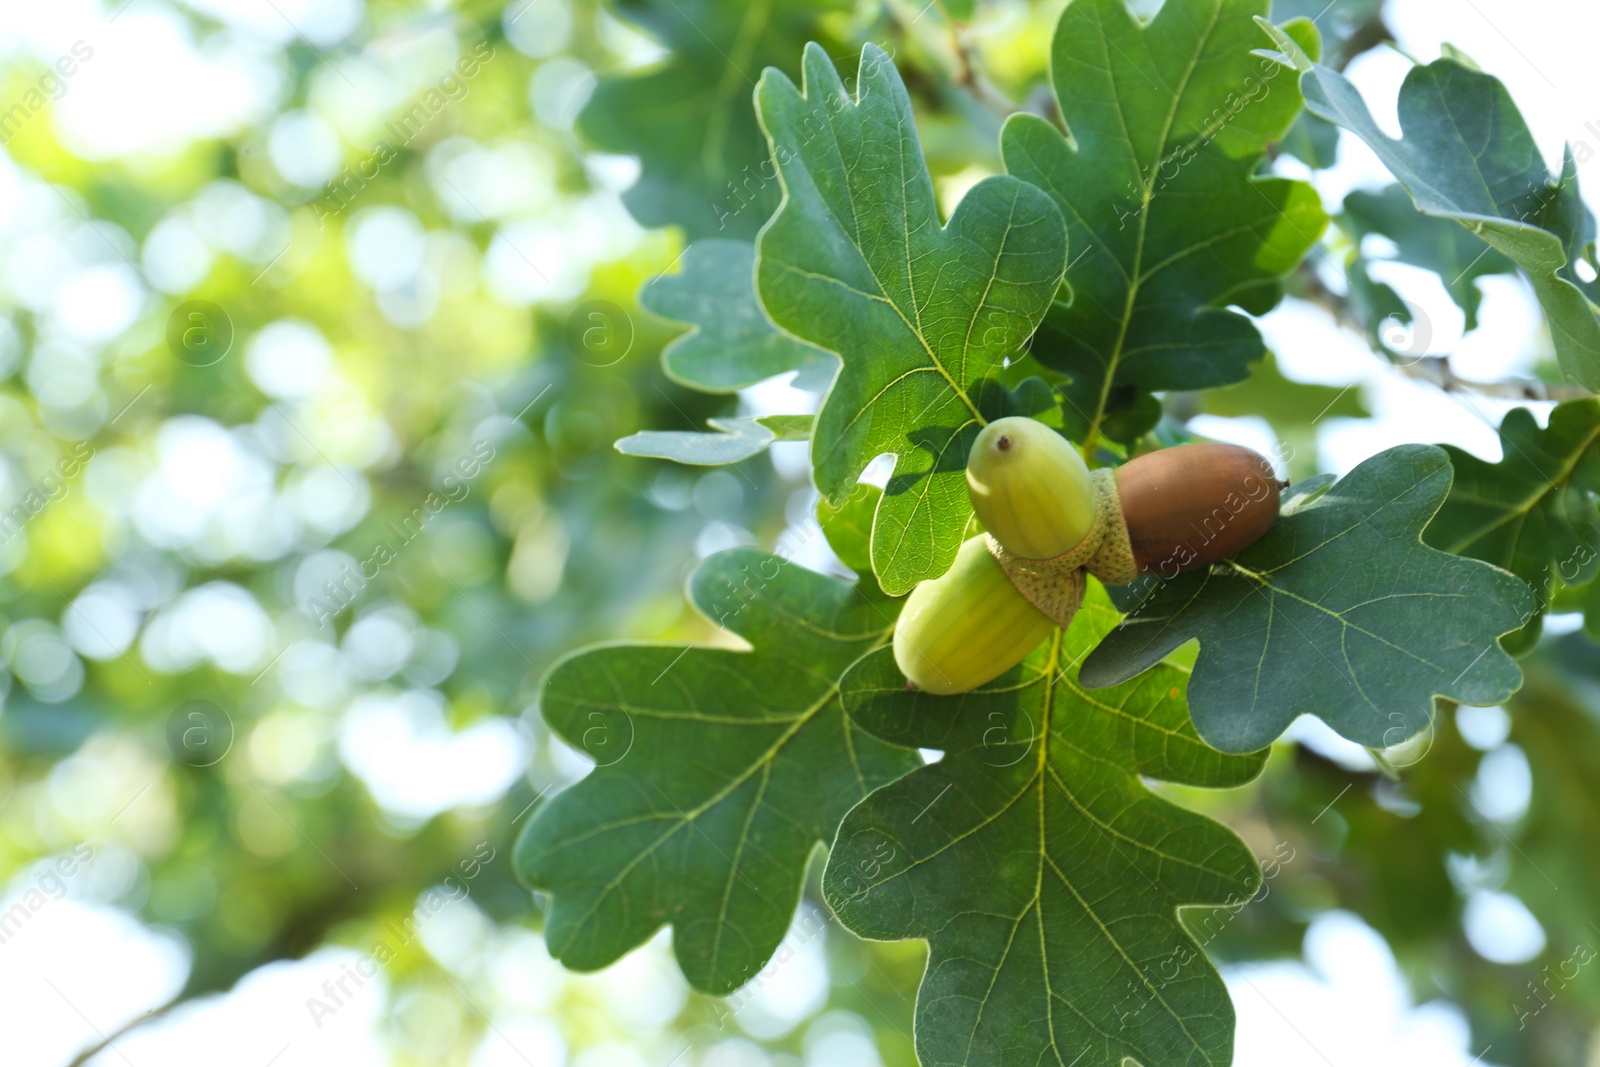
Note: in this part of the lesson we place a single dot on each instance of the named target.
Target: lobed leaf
(718, 773)
(1449, 250)
(690, 120)
(1466, 154)
(922, 315)
(733, 440)
(1044, 875)
(732, 345)
(1535, 512)
(1157, 178)
(1339, 611)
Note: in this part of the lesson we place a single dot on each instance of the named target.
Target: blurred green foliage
(171, 522)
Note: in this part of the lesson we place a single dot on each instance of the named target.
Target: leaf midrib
(1037, 781)
(687, 818)
(1043, 770)
(1146, 195)
(1528, 503)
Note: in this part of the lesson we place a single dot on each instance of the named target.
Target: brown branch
(109, 1040)
(1435, 370)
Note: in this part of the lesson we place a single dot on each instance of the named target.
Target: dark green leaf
(1436, 244)
(690, 120)
(1534, 513)
(1339, 611)
(717, 774)
(1168, 219)
(732, 344)
(1044, 875)
(923, 315)
(1466, 154)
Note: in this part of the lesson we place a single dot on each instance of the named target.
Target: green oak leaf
(1339, 611)
(1348, 27)
(718, 773)
(1426, 241)
(847, 524)
(1535, 512)
(732, 345)
(1168, 217)
(734, 440)
(1044, 875)
(689, 119)
(1465, 154)
(923, 316)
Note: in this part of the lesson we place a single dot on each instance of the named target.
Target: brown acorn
(1190, 506)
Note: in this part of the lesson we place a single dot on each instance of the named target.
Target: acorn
(1170, 511)
(1030, 487)
(966, 627)
(1185, 507)
(1194, 505)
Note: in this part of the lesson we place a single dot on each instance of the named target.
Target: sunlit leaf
(717, 774)
(1466, 154)
(1044, 875)
(1168, 219)
(923, 315)
(732, 441)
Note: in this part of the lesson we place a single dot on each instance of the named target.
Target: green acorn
(1030, 488)
(1174, 510)
(966, 627)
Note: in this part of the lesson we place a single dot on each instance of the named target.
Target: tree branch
(1435, 370)
(109, 1040)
